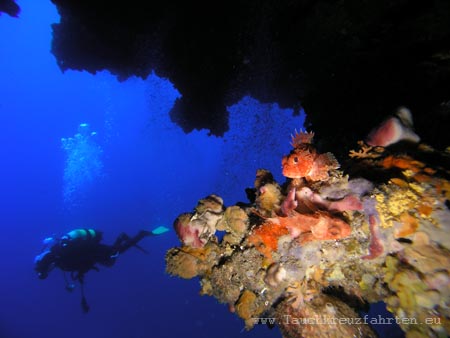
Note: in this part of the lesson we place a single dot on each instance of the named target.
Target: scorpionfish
(305, 162)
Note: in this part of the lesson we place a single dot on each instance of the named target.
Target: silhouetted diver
(80, 250)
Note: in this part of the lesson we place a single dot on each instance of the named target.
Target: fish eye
(295, 159)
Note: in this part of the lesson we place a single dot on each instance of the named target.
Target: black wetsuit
(80, 254)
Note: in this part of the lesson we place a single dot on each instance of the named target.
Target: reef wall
(329, 240)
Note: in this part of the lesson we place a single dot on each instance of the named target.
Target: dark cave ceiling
(349, 63)
(9, 7)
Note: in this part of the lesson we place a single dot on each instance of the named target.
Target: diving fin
(159, 230)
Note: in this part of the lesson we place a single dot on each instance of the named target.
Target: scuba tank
(80, 236)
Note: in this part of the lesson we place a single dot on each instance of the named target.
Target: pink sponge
(394, 129)
(189, 232)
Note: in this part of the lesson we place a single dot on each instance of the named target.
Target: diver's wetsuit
(81, 254)
(80, 251)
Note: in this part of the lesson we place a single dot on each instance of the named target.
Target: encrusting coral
(196, 229)
(299, 251)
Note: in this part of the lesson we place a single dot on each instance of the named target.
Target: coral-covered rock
(297, 250)
(188, 262)
(188, 233)
(248, 307)
(263, 177)
(376, 247)
(290, 202)
(344, 187)
(235, 222)
(268, 199)
(196, 229)
(265, 237)
(319, 318)
(275, 274)
(303, 227)
(211, 204)
(313, 201)
(317, 226)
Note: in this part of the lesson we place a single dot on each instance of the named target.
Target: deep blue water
(139, 171)
(148, 172)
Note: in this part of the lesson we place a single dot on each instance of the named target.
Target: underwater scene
(118, 223)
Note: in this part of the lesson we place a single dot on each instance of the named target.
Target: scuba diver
(80, 250)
